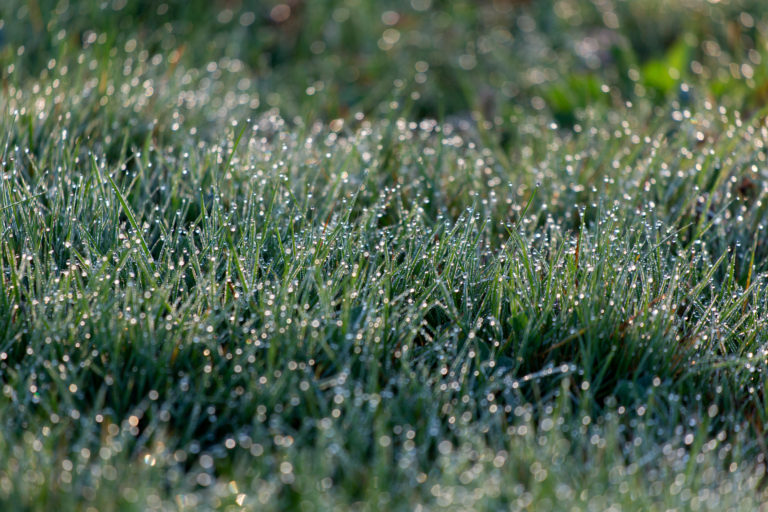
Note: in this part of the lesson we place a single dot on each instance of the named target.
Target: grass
(416, 256)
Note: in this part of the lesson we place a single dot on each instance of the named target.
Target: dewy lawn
(398, 255)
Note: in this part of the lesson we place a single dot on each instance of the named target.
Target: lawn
(405, 255)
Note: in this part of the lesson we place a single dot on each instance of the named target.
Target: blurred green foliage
(447, 57)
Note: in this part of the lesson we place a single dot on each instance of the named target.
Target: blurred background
(483, 58)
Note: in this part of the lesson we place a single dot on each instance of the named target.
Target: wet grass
(235, 277)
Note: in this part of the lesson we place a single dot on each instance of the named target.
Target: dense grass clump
(409, 255)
